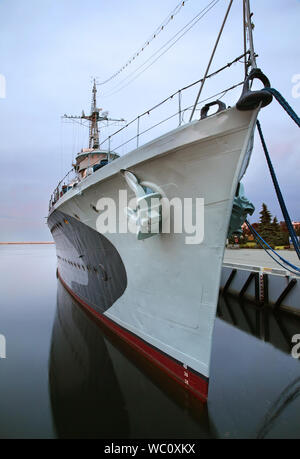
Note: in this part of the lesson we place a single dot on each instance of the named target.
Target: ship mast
(94, 118)
(248, 35)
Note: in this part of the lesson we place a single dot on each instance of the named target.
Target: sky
(51, 49)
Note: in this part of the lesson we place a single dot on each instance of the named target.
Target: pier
(251, 274)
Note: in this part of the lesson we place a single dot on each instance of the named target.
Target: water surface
(64, 377)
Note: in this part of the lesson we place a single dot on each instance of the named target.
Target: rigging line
(237, 59)
(222, 93)
(177, 113)
(157, 31)
(191, 23)
(166, 119)
(211, 58)
(165, 100)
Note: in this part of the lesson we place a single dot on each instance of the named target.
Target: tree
(266, 227)
(275, 224)
(279, 237)
(273, 232)
(265, 215)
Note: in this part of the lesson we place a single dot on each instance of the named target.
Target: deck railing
(136, 134)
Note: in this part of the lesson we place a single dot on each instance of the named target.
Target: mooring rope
(261, 242)
(284, 104)
(281, 201)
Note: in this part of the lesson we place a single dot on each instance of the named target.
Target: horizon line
(27, 242)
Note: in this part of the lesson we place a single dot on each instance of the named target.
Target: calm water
(64, 378)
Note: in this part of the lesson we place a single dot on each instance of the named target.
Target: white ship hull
(159, 294)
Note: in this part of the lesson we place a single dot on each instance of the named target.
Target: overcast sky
(50, 49)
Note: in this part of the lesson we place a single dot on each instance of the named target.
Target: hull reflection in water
(260, 392)
(101, 389)
(86, 398)
(97, 392)
(269, 325)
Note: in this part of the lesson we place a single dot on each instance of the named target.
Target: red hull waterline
(191, 381)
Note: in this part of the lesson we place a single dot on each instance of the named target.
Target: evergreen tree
(266, 227)
(273, 232)
(275, 224)
(265, 215)
(279, 237)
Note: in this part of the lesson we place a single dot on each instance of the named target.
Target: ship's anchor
(148, 214)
